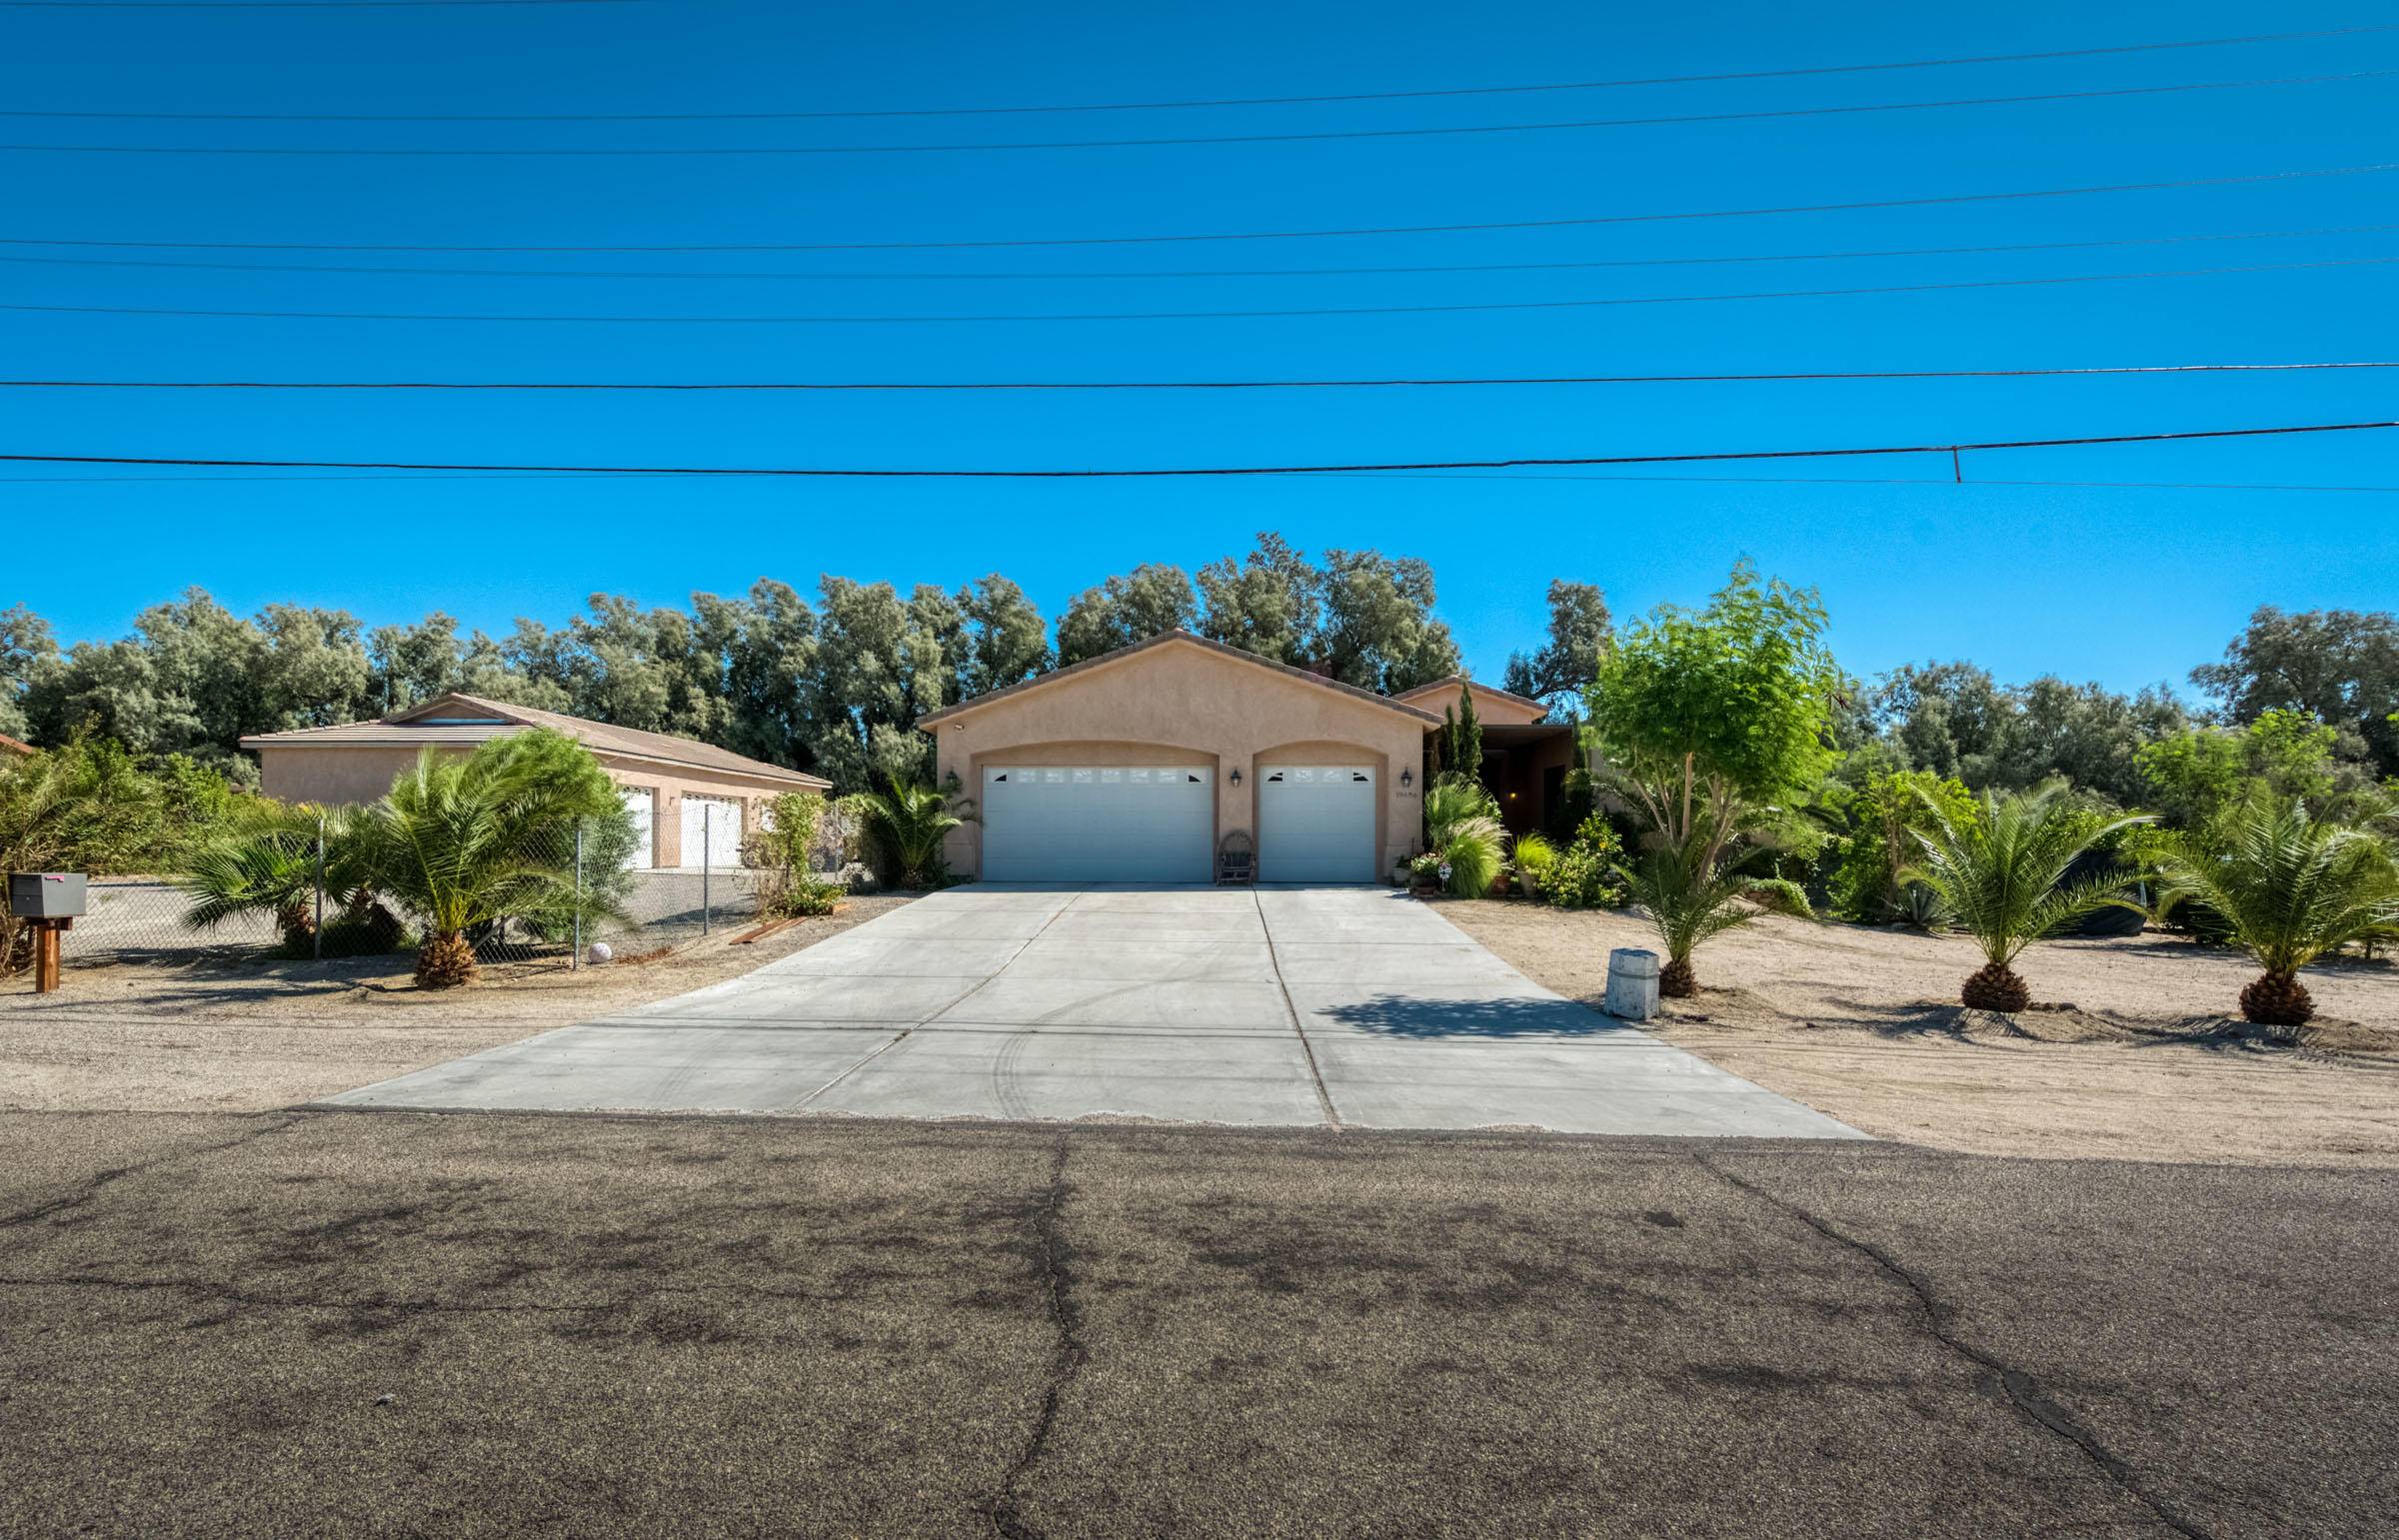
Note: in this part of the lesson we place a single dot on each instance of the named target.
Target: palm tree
(462, 841)
(2001, 878)
(265, 864)
(2290, 888)
(911, 823)
(1690, 893)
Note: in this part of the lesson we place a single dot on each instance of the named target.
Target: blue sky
(2122, 583)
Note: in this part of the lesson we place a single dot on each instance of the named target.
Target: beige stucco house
(1137, 765)
(684, 795)
(1524, 756)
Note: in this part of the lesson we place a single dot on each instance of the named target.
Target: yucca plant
(465, 841)
(2289, 888)
(2002, 879)
(1690, 891)
(1461, 825)
(911, 824)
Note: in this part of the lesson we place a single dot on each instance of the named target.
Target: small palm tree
(265, 864)
(462, 841)
(911, 823)
(1690, 893)
(2289, 888)
(2002, 879)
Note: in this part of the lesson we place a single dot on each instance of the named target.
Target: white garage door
(1097, 823)
(716, 823)
(641, 806)
(1316, 824)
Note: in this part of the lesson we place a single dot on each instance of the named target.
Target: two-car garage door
(1099, 824)
(1150, 823)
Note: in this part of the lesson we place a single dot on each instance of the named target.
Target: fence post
(708, 812)
(574, 958)
(315, 938)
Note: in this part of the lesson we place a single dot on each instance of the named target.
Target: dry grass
(2129, 1054)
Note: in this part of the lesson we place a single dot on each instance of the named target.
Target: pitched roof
(1055, 676)
(14, 745)
(1460, 681)
(425, 723)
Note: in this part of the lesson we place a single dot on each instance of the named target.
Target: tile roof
(1163, 637)
(409, 729)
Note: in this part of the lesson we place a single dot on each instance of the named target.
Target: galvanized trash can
(1632, 983)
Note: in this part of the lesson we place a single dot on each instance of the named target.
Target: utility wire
(920, 473)
(1785, 377)
(1770, 480)
(1573, 222)
(1234, 101)
(1310, 136)
(1348, 271)
(1206, 315)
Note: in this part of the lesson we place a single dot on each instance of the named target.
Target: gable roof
(456, 718)
(1163, 638)
(1460, 681)
(14, 745)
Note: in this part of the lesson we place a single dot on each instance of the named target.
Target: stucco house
(1133, 765)
(681, 793)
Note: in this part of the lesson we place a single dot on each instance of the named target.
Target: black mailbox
(45, 894)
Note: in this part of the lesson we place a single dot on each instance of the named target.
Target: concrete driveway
(1348, 1006)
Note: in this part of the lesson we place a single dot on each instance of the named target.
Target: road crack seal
(1055, 1259)
(2022, 1390)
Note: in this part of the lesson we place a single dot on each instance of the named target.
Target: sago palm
(462, 840)
(1690, 893)
(911, 823)
(2290, 888)
(2002, 879)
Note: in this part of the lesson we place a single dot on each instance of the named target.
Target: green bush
(1598, 834)
(1534, 857)
(803, 898)
(1461, 825)
(1779, 895)
(1583, 878)
(1868, 881)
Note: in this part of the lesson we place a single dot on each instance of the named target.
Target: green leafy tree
(2338, 665)
(1564, 665)
(1268, 603)
(1883, 819)
(28, 656)
(2199, 773)
(1378, 629)
(1154, 598)
(2290, 889)
(413, 663)
(2001, 878)
(463, 841)
(1705, 715)
(1007, 641)
(767, 647)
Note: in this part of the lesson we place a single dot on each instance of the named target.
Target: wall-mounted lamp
(1407, 778)
(1236, 775)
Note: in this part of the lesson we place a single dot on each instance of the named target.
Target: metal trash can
(1632, 984)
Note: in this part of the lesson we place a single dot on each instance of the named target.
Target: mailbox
(45, 894)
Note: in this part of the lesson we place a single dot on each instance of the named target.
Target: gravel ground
(1862, 1025)
(242, 1036)
(286, 1324)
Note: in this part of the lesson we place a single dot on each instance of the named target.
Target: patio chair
(1237, 857)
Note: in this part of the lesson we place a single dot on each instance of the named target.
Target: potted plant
(1402, 872)
(1534, 857)
(1428, 873)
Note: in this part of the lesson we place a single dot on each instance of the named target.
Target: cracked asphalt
(302, 1323)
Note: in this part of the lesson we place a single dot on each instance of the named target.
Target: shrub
(1461, 825)
(782, 849)
(1870, 879)
(802, 899)
(1596, 833)
(1534, 857)
(1583, 878)
(1574, 803)
(1779, 895)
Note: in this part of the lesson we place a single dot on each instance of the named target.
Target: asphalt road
(308, 1323)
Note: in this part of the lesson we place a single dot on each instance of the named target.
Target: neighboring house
(679, 791)
(1133, 765)
(1525, 760)
(12, 749)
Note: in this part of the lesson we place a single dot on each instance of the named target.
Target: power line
(390, 5)
(1342, 272)
(920, 473)
(1765, 480)
(1235, 101)
(1784, 377)
(1205, 315)
(1309, 136)
(1571, 221)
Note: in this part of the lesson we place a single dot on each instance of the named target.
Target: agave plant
(911, 823)
(2002, 879)
(463, 841)
(1690, 891)
(2289, 888)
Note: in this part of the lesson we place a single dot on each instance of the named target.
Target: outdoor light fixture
(1236, 775)
(1407, 778)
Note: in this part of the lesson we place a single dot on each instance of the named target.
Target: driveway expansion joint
(1055, 1259)
(1316, 1073)
(2021, 1390)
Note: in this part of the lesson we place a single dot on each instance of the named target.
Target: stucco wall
(349, 776)
(1490, 707)
(1178, 703)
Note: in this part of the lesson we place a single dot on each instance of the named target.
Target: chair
(1237, 857)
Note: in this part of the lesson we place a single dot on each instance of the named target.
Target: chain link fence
(591, 895)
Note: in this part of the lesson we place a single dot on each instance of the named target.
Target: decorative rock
(1632, 984)
(600, 951)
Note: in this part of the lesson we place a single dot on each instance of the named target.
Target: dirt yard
(229, 1036)
(2128, 1054)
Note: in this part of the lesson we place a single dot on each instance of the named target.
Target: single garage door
(641, 806)
(1316, 824)
(714, 824)
(1097, 823)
